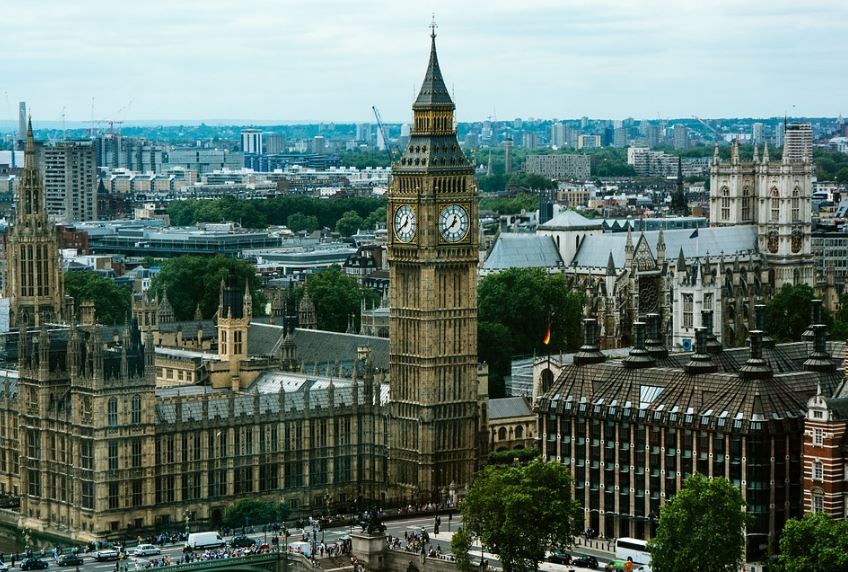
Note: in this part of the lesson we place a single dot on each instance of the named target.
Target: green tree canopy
(349, 223)
(702, 527)
(193, 280)
(788, 312)
(337, 296)
(298, 222)
(521, 511)
(112, 303)
(815, 543)
(460, 546)
(248, 512)
(515, 308)
(510, 205)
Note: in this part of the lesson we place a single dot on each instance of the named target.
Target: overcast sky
(331, 60)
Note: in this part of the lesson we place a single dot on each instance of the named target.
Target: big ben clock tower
(433, 254)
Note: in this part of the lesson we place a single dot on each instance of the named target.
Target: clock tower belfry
(433, 255)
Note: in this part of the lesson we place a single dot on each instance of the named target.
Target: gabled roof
(571, 220)
(514, 250)
(594, 251)
(507, 407)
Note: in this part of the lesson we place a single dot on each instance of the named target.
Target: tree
(460, 547)
(337, 296)
(702, 527)
(521, 511)
(298, 222)
(112, 303)
(193, 280)
(247, 512)
(515, 308)
(815, 543)
(788, 312)
(349, 223)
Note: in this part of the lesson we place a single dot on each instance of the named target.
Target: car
(146, 550)
(242, 542)
(585, 562)
(106, 554)
(559, 557)
(70, 560)
(33, 564)
(4, 567)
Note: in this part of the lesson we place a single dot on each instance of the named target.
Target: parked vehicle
(146, 550)
(559, 557)
(105, 554)
(70, 560)
(33, 564)
(201, 540)
(585, 561)
(242, 542)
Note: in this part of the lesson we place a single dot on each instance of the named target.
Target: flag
(694, 234)
(547, 339)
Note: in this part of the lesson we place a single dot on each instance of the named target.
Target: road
(395, 528)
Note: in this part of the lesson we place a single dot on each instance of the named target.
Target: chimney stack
(760, 321)
(819, 359)
(701, 361)
(653, 343)
(639, 356)
(713, 345)
(809, 334)
(756, 367)
(589, 352)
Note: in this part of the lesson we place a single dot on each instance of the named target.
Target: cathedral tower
(235, 310)
(34, 284)
(433, 254)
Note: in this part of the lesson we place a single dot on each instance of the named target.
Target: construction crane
(716, 133)
(110, 122)
(382, 128)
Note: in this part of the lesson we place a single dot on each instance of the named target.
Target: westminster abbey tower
(433, 255)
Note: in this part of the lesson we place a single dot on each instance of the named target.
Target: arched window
(725, 204)
(136, 409)
(502, 434)
(746, 203)
(112, 416)
(796, 205)
(519, 432)
(775, 205)
(547, 380)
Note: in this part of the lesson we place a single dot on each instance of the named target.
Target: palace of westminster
(105, 432)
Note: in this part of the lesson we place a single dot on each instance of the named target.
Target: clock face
(453, 223)
(404, 223)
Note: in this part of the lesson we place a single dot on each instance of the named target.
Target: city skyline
(331, 61)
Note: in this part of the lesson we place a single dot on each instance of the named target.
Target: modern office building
(562, 166)
(681, 137)
(251, 141)
(798, 142)
(203, 161)
(275, 143)
(70, 180)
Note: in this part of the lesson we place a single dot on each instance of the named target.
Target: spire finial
(433, 26)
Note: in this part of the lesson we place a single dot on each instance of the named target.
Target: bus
(636, 550)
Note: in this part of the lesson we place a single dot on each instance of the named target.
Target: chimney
(819, 359)
(760, 321)
(654, 343)
(756, 367)
(639, 356)
(713, 345)
(815, 318)
(701, 361)
(589, 352)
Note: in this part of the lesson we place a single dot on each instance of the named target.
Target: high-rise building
(363, 133)
(652, 135)
(558, 134)
(778, 135)
(70, 180)
(275, 143)
(251, 141)
(34, 281)
(798, 142)
(564, 166)
(619, 138)
(529, 140)
(507, 154)
(758, 133)
(22, 124)
(433, 256)
(584, 122)
(319, 144)
(681, 137)
(588, 141)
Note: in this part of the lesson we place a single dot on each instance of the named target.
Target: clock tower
(433, 255)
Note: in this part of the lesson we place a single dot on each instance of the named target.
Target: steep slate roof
(594, 251)
(670, 394)
(320, 346)
(514, 250)
(507, 407)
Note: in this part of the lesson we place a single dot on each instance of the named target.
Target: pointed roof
(434, 92)
(611, 265)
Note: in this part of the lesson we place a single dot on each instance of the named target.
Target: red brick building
(826, 453)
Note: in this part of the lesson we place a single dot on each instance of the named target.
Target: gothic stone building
(631, 430)
(759, 240)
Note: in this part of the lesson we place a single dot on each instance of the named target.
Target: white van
(300, 548)
(202, 540)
